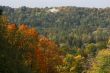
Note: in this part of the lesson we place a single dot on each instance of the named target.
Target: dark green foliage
(0, 12)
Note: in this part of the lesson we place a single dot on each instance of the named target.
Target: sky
(55, 3)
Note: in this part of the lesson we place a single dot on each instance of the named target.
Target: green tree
(101, 63)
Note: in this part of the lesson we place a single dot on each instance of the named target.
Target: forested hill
(67, 40)
(61, 17)
(60, 23)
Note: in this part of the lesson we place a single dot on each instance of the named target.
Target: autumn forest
(54, 40)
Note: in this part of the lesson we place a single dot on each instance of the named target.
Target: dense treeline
(77, 40)
(61, 25)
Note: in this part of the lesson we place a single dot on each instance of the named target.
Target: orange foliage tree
(39, 53)
(51, 53)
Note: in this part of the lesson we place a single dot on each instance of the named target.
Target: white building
(53, 10)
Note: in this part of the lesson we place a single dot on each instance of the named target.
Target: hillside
(60, 22)
(54, 40)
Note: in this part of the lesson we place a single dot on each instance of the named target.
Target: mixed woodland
(65, 40)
